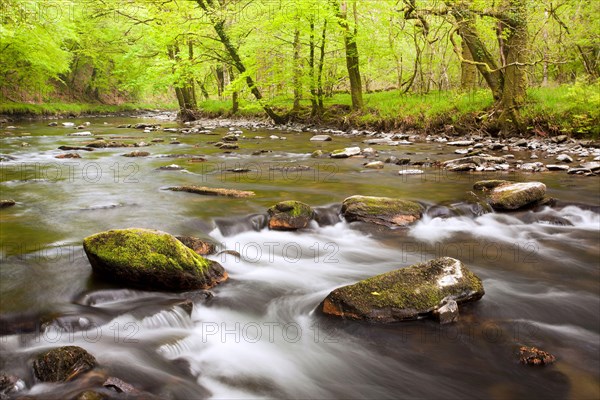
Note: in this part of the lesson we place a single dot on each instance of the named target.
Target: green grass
(58, 108)
(572, 109)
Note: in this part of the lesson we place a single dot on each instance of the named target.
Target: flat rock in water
(81, 134)
(381, 210)
(290, 215)
(75, 148)
(556, 167)
(345, 153)
(410, 172)
(374, 165)
(405, 294)
(150, 259)
(137, 154)
(320, 138)
(461, 143)
(203, 190)
(564, 158)
(68, 155)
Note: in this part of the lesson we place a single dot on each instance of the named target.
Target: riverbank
(573, 110)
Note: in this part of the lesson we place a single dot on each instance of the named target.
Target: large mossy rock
(512, 196)
(381, 210)
(290, 215)
(150, 259)
(62, 364)
(407, 293)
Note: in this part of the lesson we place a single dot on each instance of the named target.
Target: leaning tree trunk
(219, 26)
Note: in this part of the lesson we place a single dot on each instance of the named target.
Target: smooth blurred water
(260, 335)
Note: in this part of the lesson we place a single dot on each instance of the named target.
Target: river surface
(260, 335)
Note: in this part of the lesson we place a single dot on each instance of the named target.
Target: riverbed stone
(199, 246)
(320, 138)
(448, 313)
(374, 165)
(290, 215)
(381, 210)
(534, 356)
(7, 203)
(62, 364)
(512, 196)
(345, 153)
(137, 154)
(208, 191)
(150, 259)
(407, 293)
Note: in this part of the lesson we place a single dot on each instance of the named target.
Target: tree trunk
(352, 58)
(235, 104)
(320, 91)
(468, 76)
(515, 77)
(185, 98)
(219, 26)
(311, 66)
(297, 72)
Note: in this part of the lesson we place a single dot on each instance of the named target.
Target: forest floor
(550, 111)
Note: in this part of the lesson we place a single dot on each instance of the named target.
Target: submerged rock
(62, 364)
(407, 293)
(535, 356)
(7, 203)
(150, 259)
(512, 196)
(381, 210)
(289, 215)
(10, 385)
(67, 155)
(137, 154)
(212, 191)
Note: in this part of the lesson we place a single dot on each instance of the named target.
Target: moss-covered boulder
(407, 293)
(489, 184)
(150, 259)
(381, 210)
(62, 364)
(289, 215)
(512, 196)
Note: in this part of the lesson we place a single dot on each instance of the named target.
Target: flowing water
(260, 334)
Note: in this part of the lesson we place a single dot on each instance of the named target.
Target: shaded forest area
(505, 66)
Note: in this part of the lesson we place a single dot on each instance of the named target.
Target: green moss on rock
(290, 215)
(381, 210)
(407, 293)
(516, 195)
(150, 259)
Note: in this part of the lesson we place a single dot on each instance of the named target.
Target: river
(260, 336)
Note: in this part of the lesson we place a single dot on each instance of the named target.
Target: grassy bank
(75, 109)
(570, 109)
